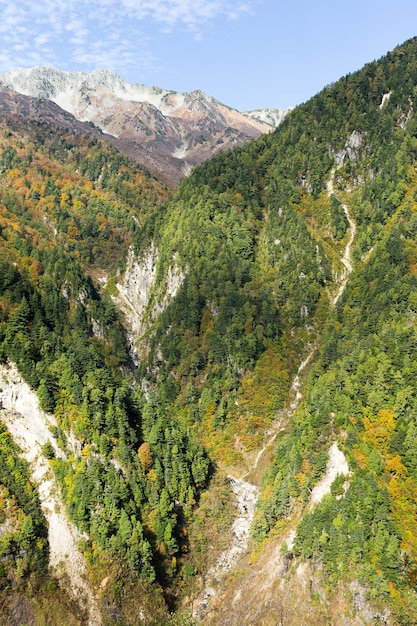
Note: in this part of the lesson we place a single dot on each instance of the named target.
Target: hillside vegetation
(259, 240)
(255, 240)
(70, 208)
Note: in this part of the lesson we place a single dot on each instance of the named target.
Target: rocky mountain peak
(168, 131)
(273, 117)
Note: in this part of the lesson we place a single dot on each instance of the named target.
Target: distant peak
(273, 117)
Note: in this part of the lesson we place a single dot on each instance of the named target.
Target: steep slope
(70, 208)
(30, 428)
(263, 239)
(170, 132)
(270, 301)
(43, 111)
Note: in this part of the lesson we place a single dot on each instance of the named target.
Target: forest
(257, 239)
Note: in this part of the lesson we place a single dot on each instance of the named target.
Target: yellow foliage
(306, 466)
(86, 452)
(145, 456)
(151, 475)
(393, 592)
(359, 457)
(403, 493)
(267, 492)
(12, 174)
(379, 430)
(395, 466)
(207, 322)
(151, 519)
(211, 409)
(394, 489)
(300, 478)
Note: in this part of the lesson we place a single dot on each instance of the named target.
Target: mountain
(295, 253)
(273, 117)
(225, 373)
(170, 132)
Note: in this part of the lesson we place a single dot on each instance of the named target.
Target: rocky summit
(169, 132)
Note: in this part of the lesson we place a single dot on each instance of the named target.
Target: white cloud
(190, 12)
(106, 33)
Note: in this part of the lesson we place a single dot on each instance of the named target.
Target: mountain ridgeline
(168, 131)
(219, 291)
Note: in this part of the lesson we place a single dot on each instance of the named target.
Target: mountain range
(170, 132)
(208, 400)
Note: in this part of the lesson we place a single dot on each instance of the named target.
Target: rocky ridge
(273, 117)
(170, 132)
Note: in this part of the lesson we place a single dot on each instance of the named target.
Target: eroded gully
(246, 493)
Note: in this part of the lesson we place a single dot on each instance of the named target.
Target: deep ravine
(246, 493)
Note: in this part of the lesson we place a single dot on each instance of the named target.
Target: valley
(246, 494)
(208, 354)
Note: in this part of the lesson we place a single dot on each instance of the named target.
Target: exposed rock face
(168, 131)
(273, 117)
(270, 586)
(17, 106)
(30, 428)
(135, 288)
(136, 297)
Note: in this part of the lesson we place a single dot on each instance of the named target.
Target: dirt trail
(30, 429)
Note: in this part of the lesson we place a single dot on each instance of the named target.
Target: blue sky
(247, 53)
